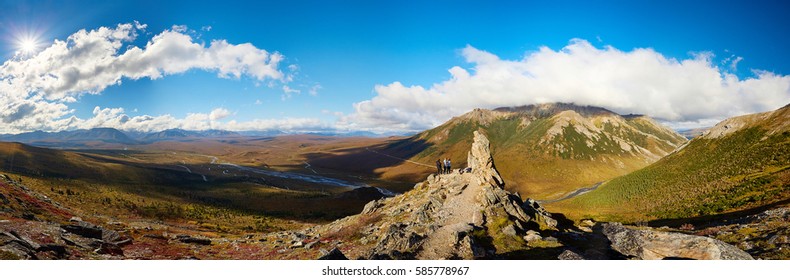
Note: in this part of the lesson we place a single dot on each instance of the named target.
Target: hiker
(449, 166)
(444, 166)
(438, 167)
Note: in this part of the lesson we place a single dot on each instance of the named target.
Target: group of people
(444, 166)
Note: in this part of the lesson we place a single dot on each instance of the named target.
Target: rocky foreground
(470, 216)
(465, 215)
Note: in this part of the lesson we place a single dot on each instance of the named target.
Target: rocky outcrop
(656, 245)
(482, 163)
(449, 216)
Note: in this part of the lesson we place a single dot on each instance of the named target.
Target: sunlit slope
(741, 163)
(545, 151)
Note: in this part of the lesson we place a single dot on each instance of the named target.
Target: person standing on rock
(449, 166)
(444, 166)
(438, 167)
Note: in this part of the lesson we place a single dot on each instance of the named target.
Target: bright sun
(27, 46)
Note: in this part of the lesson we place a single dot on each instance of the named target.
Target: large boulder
(656, 245)
(84, 229)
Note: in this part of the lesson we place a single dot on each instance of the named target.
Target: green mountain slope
(741, 163)
(545, 151)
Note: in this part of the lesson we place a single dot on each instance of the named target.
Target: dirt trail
(458, 213)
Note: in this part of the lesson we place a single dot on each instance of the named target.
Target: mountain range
(108, 135)
(545, 150)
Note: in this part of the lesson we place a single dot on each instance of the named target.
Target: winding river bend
(573, 194)
(308, 178)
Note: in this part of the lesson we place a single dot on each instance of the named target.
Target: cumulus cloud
(34, 90)
(640, 81)
(218, 114)
(116, 118)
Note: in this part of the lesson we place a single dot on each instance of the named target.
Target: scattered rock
(109, 249)
(15, 251)
(155, 236)
(777, 239)
(569, 255)
(194, 240)
(532, 236)
(371, 206)
(110, 236)
(297, 244)
(334, 254)
(746, 245)
(84, 229)
(655, 245)
(14, 247)
(398, 242)
(24, 240)
(551, 239)
(58, 249)
(311, 244)
(510, 230)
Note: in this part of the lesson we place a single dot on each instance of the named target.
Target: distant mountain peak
(550, 109)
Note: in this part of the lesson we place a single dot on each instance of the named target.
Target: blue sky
(343, 49)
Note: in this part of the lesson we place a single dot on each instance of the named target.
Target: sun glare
(27, 46)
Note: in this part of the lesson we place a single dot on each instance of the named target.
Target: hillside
(71, 138)
(547, 150)
(462, 215)
(741, 163)
(100, 137)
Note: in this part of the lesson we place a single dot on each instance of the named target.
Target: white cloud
(34, 90)
(116, 118)
(258, 102)
(639, 81)
(218, 114)
(288, 92)
(734, 63)
(179, 28)
(288, 89)
(313, 91)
